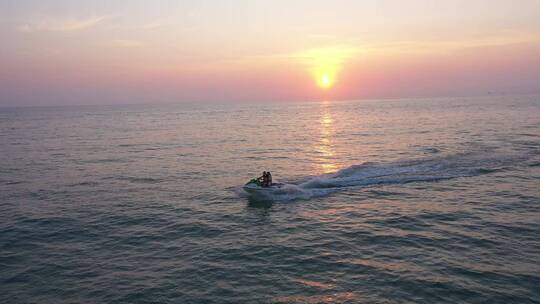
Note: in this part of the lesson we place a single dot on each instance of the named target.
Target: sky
(129, 51)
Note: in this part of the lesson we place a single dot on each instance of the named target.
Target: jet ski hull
(263, 192)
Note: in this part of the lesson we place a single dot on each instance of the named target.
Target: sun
(325, 64)
(325, 81)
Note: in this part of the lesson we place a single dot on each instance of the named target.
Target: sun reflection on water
(325, 145)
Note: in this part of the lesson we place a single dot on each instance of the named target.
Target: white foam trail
(398, 172)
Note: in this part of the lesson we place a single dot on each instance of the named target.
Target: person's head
(264, 173)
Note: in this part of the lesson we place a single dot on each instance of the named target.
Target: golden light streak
(326, 145)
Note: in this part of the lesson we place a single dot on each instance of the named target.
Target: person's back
(264, 178)
(269, 178)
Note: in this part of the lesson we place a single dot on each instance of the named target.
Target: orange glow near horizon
(325, 64)
(188, 51)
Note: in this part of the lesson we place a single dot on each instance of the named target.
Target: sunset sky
(106, 52)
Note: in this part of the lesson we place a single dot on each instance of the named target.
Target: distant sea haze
(385, 201)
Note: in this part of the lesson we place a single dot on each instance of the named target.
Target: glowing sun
(325, 81)
(326, 63)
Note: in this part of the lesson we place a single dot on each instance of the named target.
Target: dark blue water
(388, 201)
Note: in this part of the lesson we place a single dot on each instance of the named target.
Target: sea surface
(386, 201)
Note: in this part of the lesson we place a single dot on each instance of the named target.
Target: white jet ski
(255, 189)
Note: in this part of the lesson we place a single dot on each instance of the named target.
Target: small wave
(480, 171)
(426, 149)
(12, 182)
(141, 180)
(429, 150)
(334, 297)
(102, 161)
(92, 184)
(529, 135)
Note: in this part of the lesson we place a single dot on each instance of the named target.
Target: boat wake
(397, 172)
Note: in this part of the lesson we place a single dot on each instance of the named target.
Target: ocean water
(386, 201)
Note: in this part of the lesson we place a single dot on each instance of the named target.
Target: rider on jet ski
(266, 179)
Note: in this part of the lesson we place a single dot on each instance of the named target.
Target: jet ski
(255, 188)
